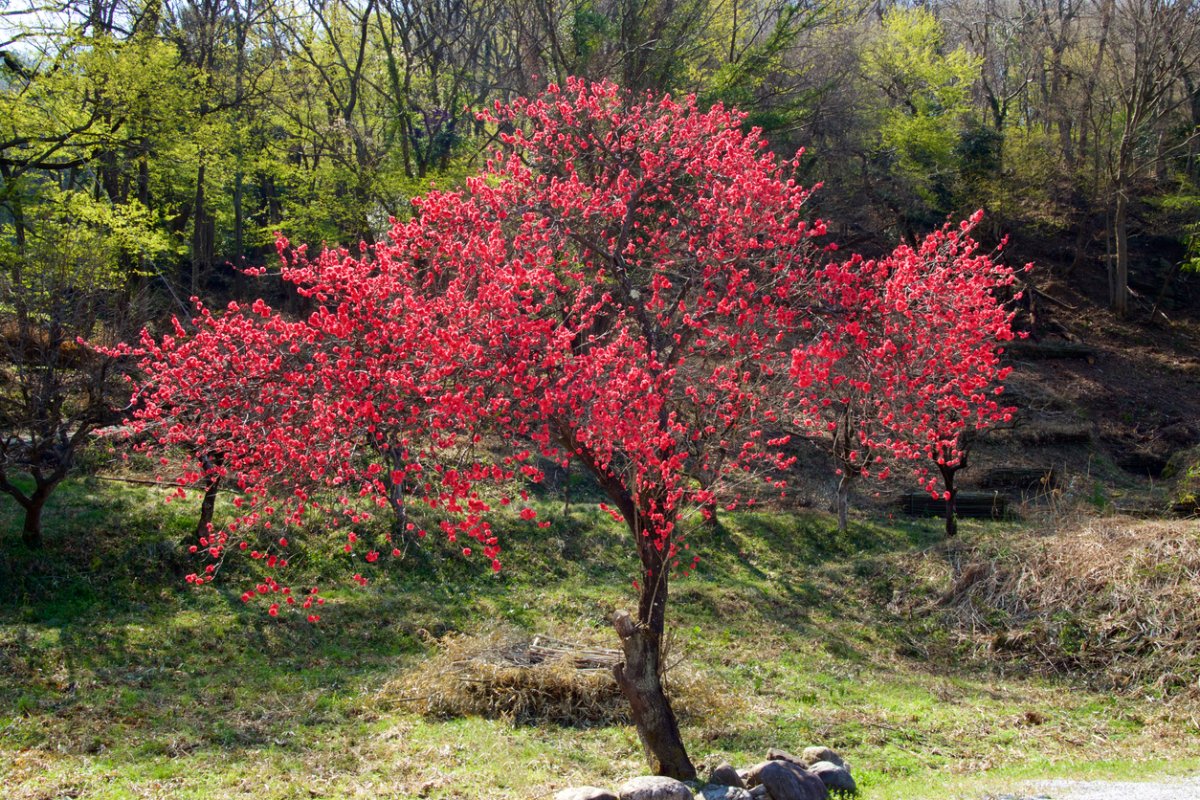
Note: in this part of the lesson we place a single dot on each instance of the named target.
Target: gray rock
(783, 755)
(787, 781)
(654, 787)
(720, 791)
(834, 777)
(726, 775)
(814, 754)
(585, 793)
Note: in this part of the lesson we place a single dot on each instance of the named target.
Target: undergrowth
(1114, 603)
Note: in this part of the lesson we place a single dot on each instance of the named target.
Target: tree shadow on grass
(111, 652)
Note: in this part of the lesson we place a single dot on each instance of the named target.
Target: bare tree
(1155, 48)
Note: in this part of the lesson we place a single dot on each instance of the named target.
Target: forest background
(164, 142)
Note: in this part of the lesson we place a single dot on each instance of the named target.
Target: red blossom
(627, 285)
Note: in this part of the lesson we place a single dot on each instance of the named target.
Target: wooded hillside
(163, 141)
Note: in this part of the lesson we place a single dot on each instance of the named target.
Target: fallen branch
(1053, 300)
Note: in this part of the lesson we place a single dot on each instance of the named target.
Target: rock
(585, 793)
(726, 775)
(654, 787)
(814, 754)
(750, 777)
(787, 781)
(834, 777)
(783, 755)
(758, 792)
(720, 791)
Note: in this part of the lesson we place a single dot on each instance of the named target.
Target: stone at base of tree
(750, 775)
(775, 754)
(718, 791)
(787, 781)
(654, 787)
(834, 777)
(814, 754)
(585, 793)
(726, 775)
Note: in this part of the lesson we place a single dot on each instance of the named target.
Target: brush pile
(507, 674)
(1116, 602)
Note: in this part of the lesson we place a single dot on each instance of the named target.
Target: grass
(119, 681)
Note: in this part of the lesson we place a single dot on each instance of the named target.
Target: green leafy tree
(921, 106)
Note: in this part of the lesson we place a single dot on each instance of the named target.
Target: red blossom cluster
(628, 285)
(914, 356)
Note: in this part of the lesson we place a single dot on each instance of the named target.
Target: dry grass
(1116, 600)
(503, 673)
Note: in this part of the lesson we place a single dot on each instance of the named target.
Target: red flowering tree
(943, 300)
(627, 285)
(850, 402)
(913, 360)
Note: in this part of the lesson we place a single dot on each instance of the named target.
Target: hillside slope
(1108, 408)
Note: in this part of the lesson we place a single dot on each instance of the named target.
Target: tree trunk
(202, 234)
(843, 501)
(31, 531)
(951, 510)
(1120, 298)
(207, 506)
(212, 483)
(639, 677)
(239, 223)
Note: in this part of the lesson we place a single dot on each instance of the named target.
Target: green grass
(120, 681)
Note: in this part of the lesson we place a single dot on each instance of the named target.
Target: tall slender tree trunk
(1120, 284)
(202, 233)
(239, 221)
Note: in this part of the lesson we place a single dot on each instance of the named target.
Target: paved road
(1169, 789)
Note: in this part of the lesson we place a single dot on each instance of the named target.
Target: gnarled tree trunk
(639, 677)
(33, 504)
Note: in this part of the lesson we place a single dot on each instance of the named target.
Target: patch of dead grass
(1116, 601)
(506, 674)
